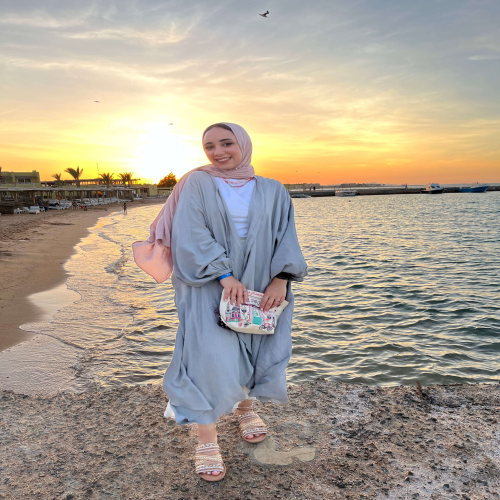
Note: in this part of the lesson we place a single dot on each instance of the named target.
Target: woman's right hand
(234, 289)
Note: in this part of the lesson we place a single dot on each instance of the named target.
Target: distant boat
(474, 188)
(346, 192)
(432, 188)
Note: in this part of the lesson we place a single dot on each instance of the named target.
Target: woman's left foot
(252, 427)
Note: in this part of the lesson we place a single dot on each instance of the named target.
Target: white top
(238, 200)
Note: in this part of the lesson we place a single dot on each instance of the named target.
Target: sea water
(400, 288)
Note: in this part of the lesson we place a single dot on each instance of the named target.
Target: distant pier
(374, 191)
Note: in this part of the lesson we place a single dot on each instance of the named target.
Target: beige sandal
(209, 463)
(251, 423)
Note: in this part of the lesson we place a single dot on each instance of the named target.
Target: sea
(400, 289)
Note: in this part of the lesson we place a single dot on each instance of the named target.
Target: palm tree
(58, 178)
(107, 179)
(126, 177)
(76, 174)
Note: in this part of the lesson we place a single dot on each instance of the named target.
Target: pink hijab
(154, 255)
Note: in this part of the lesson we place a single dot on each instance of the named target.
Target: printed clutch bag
(248, 318)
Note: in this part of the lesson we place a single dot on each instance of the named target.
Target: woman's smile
(223, 160)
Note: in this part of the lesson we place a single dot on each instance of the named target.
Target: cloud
(40, 19)
(288, 77)
(489, 57)
(374, 48)
(149, 75)
(176, 32)
(158, 37)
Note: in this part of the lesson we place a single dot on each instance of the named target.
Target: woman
(224, 227)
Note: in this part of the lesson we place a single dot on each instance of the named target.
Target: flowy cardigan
(213, 368)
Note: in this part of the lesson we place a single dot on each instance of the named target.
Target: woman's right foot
(208, 434)
(208, 462)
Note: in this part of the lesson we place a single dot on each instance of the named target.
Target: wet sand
(332, 441)
(33, 250)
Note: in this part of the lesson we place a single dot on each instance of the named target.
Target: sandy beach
(33, 250)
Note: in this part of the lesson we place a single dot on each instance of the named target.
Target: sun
(160, 151)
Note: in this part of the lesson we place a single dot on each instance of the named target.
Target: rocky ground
(332, 441)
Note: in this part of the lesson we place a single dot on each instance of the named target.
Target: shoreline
(331, 441)
(33, 251)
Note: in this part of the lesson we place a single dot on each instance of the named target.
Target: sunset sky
(330, 91)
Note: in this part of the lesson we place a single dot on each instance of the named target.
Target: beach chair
(34, 209)
(17, 211)
(25, 210)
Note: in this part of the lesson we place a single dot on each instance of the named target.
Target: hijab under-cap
(154, 255)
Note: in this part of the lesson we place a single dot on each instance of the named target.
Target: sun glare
(161, 151)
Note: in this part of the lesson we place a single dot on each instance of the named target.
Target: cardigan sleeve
(198, 257)
(287, 258)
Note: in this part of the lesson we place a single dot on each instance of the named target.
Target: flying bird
(264, 15)
(97, 101)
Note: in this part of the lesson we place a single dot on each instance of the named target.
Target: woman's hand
(274, 295)
(234, 289)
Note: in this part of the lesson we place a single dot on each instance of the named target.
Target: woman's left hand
(274, 295)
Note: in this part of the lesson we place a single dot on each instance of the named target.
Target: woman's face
(222, 149)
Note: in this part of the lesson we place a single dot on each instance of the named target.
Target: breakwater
(376, 191)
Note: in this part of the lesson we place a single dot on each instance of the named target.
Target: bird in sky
(265, 14)
(97, 101)
(170, 123)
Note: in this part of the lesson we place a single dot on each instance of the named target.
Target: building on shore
(143, 190)
(20, 179)
(32, 180)
(20, 189)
